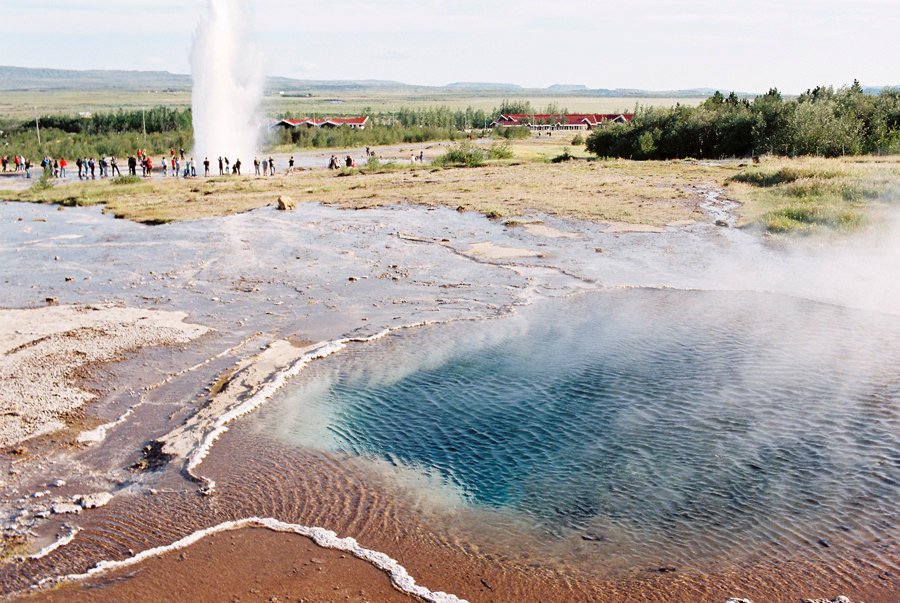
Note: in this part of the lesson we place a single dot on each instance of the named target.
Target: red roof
(336, 121)
(592, 119)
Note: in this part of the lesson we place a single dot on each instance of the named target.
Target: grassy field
(779, 195)
(620, 191)
(358, 104)
(809, 194)
(20, 105)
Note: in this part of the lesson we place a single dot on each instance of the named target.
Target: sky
(746, 45)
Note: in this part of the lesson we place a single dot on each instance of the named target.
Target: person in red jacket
(62, 167)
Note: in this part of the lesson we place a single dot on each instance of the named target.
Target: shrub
(43, 183)
(565, 156)
(578, 140)
(464, 154)
(500, 151)
(513, 133)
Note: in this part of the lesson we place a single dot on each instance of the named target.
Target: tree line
(821, 121)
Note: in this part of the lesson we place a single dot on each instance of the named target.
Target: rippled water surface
(659, 424)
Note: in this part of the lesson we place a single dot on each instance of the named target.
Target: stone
(722, 223)
(92, 501)
(65, 508)
(285, 203)
(59, 483)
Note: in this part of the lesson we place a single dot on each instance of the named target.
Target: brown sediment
(252, 564)
(257, 477)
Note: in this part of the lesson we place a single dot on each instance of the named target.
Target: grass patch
(766, 178)
(806, 218)
(806, 195)
(125, 180)
(820, 189)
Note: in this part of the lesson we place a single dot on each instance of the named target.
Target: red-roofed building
(569, 121)
(357, 123)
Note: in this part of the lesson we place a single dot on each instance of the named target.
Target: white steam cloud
(228, 85)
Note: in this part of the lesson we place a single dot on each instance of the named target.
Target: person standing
(237, 167)
(256, 165)
(181, 151)
(271, 166)
(206, 167)
(63, 164)
(221, 168)
(92, 165)
(193, 165)
(115, 166)
(291, 165)
(265, 163)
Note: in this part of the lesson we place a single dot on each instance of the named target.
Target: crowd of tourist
(175, 166)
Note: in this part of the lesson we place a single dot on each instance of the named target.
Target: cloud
(655, 44)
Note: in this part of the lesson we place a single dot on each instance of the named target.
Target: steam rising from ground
(859, 271)
(228, 85)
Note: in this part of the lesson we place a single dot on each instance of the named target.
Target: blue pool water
(680, 420)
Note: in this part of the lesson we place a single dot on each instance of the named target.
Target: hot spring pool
(684, 425)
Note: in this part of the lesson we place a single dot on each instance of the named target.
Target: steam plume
(228, 85)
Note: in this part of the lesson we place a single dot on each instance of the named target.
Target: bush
(44, 183)
(514, 133)
(565, 156)
(500, 151)
(578, 140)
(464, 154)
(821, 122)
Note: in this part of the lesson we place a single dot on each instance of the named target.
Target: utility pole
(37, 126)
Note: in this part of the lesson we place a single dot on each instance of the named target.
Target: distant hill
(26, 79)
(484, 87)
(567, 88)
(36, 80)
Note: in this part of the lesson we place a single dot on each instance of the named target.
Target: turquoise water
(678, 420)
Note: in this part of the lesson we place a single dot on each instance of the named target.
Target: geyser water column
(228, 84)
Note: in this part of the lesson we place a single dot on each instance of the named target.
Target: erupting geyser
(228, 85)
